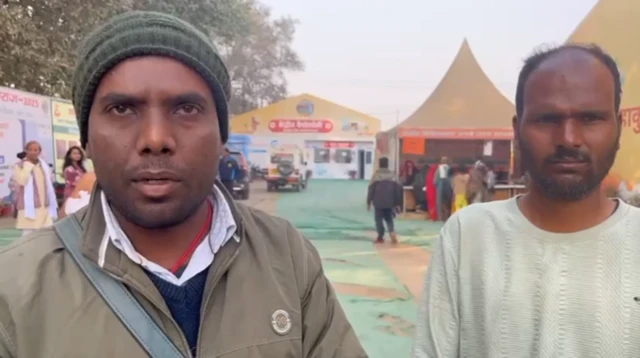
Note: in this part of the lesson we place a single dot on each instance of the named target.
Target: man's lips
(568, 165)
(156, 177)
(156, 184)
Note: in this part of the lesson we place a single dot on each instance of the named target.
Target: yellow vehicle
(286, 167)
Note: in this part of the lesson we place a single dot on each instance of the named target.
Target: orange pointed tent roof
(464, 98)
(613, 24)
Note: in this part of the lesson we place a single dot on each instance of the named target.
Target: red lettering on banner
(339, 145)
(300, 125)
(16, 98)
(631, 118)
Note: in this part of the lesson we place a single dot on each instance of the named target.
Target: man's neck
(165, 246)
(566, 216)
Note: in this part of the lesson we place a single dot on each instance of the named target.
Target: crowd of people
(448, 189)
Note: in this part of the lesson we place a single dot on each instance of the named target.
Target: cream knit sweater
(500, 287)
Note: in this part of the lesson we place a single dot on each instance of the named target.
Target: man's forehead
(574, 76)
(147, 76)
(570, 63)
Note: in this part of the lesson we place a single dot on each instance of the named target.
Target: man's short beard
(566, 191)
(154, 222)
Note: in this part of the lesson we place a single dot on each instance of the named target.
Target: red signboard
(300, 125)
(458, 133)
(339, 145)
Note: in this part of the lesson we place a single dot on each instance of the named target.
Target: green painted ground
(8, 235)
(333, 215)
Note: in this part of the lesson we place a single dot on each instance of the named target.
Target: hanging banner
(413, 145)
(458, 133)
(487, 150)
(65, 132)
(24, 117)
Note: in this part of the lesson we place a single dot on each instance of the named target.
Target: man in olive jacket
(219, 279)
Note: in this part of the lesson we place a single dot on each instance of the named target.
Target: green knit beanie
(143, 33)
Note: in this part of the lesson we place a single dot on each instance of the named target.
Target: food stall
(465, 119)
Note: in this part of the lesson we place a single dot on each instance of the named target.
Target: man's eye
(120, 110)
(187, 110)
(590, 117)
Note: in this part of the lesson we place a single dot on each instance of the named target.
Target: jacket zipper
(205, 303)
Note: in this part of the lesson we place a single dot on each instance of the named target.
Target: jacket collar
(93, 224)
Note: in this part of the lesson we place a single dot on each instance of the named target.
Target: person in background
(459, 183)
(408, 172)
(431, 193)
(490, 182)
(554, 272)
(476, 186)
(385, 194)
(13, 185)
(36, 197)
(442, 183)
(228, 170)
(81, 195)
(72, 169)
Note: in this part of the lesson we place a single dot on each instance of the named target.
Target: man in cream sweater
(555, 272)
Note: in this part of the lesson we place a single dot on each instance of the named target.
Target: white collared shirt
(223, 228)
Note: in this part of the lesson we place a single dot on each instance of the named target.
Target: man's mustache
(564, 154)
(157, 164)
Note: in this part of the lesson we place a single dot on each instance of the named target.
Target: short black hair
(383, 162)
(534, 61)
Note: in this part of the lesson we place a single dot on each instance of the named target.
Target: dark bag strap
(124, 305)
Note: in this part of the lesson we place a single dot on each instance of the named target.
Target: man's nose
(570, 133)
(157, 135)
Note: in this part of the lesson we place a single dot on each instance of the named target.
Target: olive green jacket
(48, 308)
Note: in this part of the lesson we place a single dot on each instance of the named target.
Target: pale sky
(384, 57)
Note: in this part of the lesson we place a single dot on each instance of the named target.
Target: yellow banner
(65, 134)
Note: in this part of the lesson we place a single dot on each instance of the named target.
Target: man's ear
(619, 120)
(516, 129)
(87, 151)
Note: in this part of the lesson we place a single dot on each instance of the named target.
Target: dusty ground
(261, 199)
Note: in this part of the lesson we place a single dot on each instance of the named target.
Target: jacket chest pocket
(252, 329)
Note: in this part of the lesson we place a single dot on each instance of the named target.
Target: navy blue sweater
(184, 302)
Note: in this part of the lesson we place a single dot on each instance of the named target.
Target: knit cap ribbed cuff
(136, 34)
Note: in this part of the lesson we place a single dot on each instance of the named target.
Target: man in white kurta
(33, 171)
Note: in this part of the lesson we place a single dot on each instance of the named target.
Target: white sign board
(23, 117)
